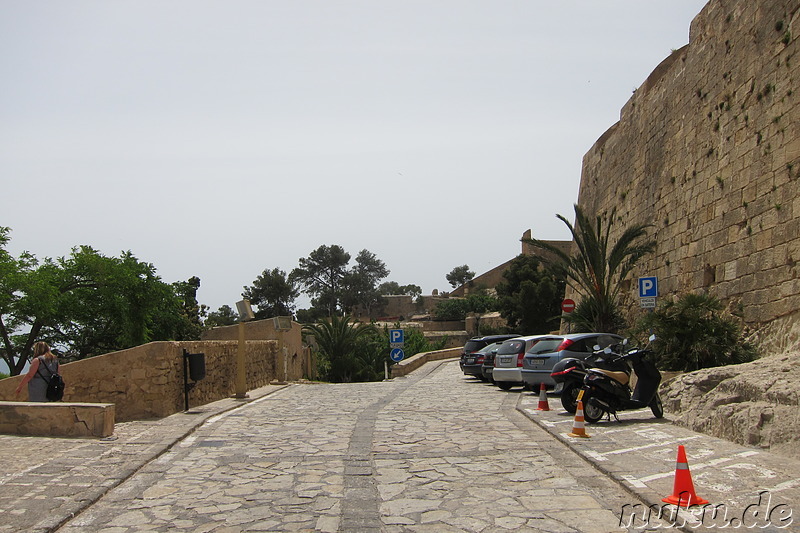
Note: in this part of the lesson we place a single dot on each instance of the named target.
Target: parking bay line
(602, 456)
(700, 466)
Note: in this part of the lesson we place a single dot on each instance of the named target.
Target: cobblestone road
(431, 452)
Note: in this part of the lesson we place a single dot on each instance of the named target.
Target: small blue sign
(396, 336)
(648, 287)
(397, 354)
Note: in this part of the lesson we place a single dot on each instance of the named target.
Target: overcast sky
(221, 138)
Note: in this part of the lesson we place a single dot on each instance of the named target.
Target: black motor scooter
(571, 372)
(605, 392)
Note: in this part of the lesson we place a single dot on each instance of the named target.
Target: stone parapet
(57, 419)
(407, 366)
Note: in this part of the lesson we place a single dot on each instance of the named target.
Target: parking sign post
(397, 341)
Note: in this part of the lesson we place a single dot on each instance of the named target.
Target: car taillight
(520, 357)
(480, 359)
(565, 344)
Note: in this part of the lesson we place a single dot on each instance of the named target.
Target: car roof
(493, 337)
(527, 337)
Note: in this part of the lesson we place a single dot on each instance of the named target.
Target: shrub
(694, 333)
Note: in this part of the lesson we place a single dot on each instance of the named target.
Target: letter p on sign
(396, 336)
(648, 287)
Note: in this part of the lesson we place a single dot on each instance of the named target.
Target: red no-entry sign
(568, 305)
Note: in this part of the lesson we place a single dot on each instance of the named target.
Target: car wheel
(591, 412)
(505, 385)
(569, 397)
(656, 406)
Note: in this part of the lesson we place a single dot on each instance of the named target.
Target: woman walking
(43, 365)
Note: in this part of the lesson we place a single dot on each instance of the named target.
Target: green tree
(336, 339)
(459, 276)
(322, 275)
(273, 294)
(389, 288)
(361, 282)
(224, 316)
(459, 308)
(693, 333)
(530, 295)
(85, 304)
(193, 311)
(598, 268)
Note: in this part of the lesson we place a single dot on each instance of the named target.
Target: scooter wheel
(591, 412)
(569, 397)
(657, 407)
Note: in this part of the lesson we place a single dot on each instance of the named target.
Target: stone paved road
(430, 452)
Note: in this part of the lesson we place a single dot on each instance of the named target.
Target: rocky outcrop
(753, 403)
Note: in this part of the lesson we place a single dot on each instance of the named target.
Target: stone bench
(57, 419)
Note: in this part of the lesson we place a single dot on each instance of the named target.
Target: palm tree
(336, 339)
(598, 268)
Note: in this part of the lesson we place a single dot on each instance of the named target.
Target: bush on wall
(693, 333)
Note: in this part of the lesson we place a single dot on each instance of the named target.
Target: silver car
(507, 371)
(538, 362)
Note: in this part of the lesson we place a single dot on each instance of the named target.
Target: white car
(507, 371)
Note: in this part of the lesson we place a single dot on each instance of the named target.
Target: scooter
(605, 392)
(571, 372)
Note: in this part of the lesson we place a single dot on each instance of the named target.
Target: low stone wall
(414, 362)
(147, 381)
(57, 419)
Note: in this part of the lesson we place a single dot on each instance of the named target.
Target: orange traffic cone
(683, 494)
(544, 405)
(578, 429)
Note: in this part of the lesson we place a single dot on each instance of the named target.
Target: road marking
(595, 455)
(792, 483)
(652, 445)
(634, 481)
(700, 466)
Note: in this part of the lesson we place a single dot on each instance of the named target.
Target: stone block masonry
(707, 150)
(147, 381)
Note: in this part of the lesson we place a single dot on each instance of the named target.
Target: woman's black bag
(55, 385)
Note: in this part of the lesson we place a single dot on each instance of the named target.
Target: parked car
(538, 362)
(507, 371)
(470, 365)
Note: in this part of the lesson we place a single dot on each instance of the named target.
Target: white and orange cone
(544, 405)
(578, 427)
(683, 494)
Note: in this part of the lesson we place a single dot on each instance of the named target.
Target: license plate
(536, 362)
(469, 360)
(505, 359)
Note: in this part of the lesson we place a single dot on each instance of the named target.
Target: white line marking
(635, 482)
(653, 445)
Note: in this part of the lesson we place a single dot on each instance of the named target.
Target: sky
(218, 139)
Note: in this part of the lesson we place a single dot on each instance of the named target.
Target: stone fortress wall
(707, 150)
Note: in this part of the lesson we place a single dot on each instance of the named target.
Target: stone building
(708, 151)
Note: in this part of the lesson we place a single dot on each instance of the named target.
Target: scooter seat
(622, 377)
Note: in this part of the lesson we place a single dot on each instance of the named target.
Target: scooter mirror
(596, 348)
(624, 342)
(652, 337)
(607, 350)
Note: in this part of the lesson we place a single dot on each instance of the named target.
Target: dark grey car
(548, 350)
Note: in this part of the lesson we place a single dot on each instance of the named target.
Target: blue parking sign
(648, 287)
(396, 336)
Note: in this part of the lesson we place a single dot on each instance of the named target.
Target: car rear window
(473, 346)
(546, 345)
(510, 347)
